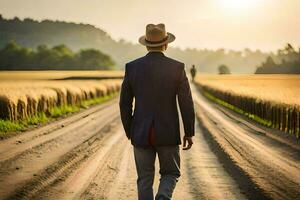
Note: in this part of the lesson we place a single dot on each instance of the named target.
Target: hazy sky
(234, 24)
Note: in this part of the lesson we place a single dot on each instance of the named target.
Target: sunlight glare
(237, 6)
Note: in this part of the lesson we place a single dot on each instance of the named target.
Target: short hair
(158, 48)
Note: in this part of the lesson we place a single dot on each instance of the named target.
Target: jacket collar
(155, 53)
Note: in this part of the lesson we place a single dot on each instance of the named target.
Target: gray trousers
(169, 162)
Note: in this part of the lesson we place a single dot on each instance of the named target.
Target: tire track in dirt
(66, 165)
(206, 175)
(21, 174)
(101, 162)
(203, 177)
(14, 146)
(123, 185)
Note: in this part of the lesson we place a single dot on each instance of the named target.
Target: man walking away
(154, 81)
(193, 72)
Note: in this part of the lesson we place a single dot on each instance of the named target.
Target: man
(193, 72)
(154, 81)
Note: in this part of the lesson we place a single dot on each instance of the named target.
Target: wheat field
(24, 94)
(53, 74)
(276, 88)
(272, 100)
(22, 99)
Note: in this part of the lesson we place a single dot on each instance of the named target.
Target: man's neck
(156, 51)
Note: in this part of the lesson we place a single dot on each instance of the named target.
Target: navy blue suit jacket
(152, 83)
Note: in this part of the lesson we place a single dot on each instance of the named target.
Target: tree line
(59, 57)
(285, 61)
(31, 33)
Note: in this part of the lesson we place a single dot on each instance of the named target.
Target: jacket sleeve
(125, 103)
(186, 105)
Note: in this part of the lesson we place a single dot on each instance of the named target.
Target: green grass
(7, 127)
(90, 102)
(34, 120)
(59, 111)
(236, 109)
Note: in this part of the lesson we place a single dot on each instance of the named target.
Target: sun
(237, 6)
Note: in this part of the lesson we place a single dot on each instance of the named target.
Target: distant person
(193, 72)
(154, 81)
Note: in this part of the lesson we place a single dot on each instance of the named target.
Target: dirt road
(87, 156)
(269, 161)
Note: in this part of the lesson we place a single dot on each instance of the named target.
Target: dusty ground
(269, 161)
(87, 156)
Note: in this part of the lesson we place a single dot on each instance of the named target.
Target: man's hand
(189, 140)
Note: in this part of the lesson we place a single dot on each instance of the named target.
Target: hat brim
(143, 41)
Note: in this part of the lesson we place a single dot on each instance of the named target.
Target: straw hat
(156, 35)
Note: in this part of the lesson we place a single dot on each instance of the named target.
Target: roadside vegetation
(7, 127)
(27, 103)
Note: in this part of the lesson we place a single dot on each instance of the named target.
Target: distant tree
(223, 69)
(63, 50)
(269, 62)
(287, 61)
(65, 57)
(16, 19)
(266, 66)
(7, 54)
(15, 57)
(45, 58)
(289, 48)
(94, 59)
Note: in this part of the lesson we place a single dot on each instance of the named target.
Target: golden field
(22, 99)
(24, 94)
(272, 100)
(32, 75)
(276, 88)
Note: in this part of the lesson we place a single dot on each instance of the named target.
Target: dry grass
(44, 75)
(20, 99)
(276, 88)
(272, 100)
